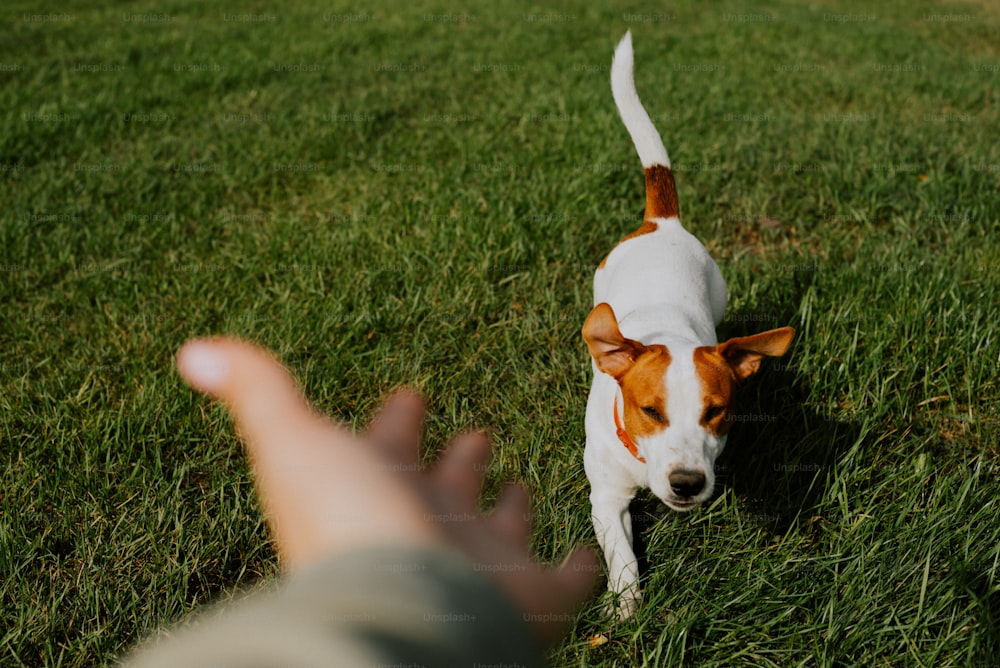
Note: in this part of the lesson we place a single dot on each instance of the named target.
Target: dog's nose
(685, 483)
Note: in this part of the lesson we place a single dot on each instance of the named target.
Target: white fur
(644, 135)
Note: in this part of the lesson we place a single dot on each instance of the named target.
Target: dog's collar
(624, 437)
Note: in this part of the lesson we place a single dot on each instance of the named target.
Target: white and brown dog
(660, 405)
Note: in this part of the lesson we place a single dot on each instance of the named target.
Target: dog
(661, 401)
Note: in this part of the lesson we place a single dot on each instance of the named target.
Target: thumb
(320, 492)
(253, 385)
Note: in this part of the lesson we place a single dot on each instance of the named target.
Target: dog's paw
(623, 606)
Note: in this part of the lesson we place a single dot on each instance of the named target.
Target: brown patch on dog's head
(640, 371)
(721, 368)
(718, 385)
(644, 391)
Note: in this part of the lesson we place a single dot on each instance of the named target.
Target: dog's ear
(613, 353)
(744, 353)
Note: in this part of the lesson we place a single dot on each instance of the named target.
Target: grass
(391, 197)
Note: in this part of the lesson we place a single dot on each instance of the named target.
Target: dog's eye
(713, 412)
(653, 413)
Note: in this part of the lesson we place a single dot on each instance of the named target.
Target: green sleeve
(387, 608)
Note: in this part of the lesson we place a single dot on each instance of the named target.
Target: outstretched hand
(326, 491)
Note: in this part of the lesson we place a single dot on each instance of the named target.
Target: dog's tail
(661, 193)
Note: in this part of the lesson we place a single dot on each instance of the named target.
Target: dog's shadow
(781, 453)
(777, 459)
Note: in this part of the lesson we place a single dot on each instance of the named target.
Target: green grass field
(420, 197)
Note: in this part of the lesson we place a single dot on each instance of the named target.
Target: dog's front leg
(613, 526)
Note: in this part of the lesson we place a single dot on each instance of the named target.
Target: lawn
(420, 196)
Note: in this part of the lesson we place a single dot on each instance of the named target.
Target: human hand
(326, 491)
